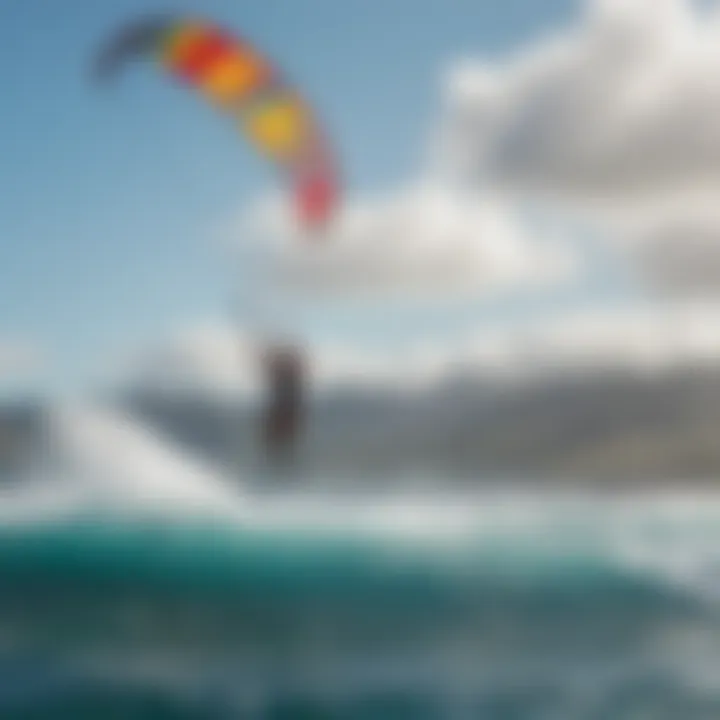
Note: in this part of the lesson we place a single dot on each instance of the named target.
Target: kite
(243, 84)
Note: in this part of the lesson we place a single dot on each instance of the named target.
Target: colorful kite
(240, 82)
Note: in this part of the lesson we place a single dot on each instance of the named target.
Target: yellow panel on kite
(278, 125)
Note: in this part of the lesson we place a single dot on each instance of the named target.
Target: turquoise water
(596, 618)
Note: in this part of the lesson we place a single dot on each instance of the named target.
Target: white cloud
(419, 240)
(614, 122)
(637, 339)
(678, 252)
(625, 108)
(617, 119)
(646, 337)
(218, 362)
(208, 360)
(17, 358)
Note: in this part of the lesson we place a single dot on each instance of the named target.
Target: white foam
(672, 538)
(98, 460)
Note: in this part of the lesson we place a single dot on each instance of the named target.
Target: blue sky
(110, 199)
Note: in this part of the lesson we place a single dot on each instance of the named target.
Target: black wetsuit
(284, 410)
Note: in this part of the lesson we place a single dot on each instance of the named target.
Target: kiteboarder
(283, 420)
(248, 88)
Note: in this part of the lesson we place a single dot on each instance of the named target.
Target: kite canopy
(240, 82)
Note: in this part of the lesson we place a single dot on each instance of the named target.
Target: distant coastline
(606, 427)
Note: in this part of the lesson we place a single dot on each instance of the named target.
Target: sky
(113, 200)
(501, 161)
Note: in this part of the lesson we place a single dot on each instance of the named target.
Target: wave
(125, 564)
(102, 472)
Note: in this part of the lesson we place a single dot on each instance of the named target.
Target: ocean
(504, 608)
(117, 600)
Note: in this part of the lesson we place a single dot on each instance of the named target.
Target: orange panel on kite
(234, 77)
(278, 125)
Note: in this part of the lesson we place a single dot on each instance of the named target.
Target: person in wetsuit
(283, 420)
